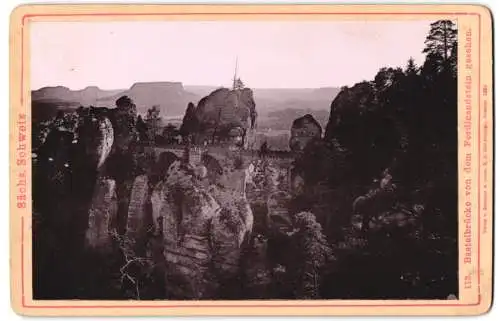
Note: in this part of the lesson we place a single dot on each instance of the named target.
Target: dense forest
(403, 123)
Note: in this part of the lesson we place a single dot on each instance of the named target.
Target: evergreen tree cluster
(402, 122)
(405, 120)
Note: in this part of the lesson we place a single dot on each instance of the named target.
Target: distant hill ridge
(170, 97)
(88, 94)
(173, 97)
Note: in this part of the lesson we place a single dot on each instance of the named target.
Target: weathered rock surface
(138, 221)
(95, 135)
(232, 107)
(224, 116)
(202, 239)
(102, 212)
(232, 229)
(304, 129)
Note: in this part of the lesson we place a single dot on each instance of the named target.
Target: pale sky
(277, 54)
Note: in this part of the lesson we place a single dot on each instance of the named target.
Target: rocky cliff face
(303, 130)
(227, 107)
(176, 221)
(102, 214)
(222, 115)
(186, 213)
(203, 233)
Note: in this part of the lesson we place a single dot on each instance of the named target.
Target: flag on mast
(235, 74)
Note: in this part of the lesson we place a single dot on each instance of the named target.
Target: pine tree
(153, 122)
(238, 84)
(142, 128)
(314, 254)
(411, 68)
(454, 59)
(440, 42)
(190, 124)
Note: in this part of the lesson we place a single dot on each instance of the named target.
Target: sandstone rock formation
(96, 136)
(182, 214)
(138, 222)
(232, 228)
(202, 234)
(233, 107)
(102, 212)
(222, 116)
(304, 129)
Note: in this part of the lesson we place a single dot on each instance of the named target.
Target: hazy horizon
(184, 85)
(271, 54)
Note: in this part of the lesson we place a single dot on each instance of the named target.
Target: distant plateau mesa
(172, 98)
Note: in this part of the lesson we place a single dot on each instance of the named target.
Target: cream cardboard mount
(251, 160)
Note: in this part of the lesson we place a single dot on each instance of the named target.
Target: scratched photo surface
(240, 160)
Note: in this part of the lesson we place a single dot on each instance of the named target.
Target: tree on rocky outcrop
(190, 125)
(153, 122)
(397, 104)
(453, 61)
(312, 255)
(441, 41)
(411, 67)
(231, 233)
(142, 129)
(238, 84)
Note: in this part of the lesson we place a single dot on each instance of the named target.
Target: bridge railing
(211, 149)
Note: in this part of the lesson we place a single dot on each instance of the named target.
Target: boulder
(228, 107)
(103, 209)
(223, 116)
(304, 129)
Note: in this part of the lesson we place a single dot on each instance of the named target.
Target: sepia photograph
(244, 160)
